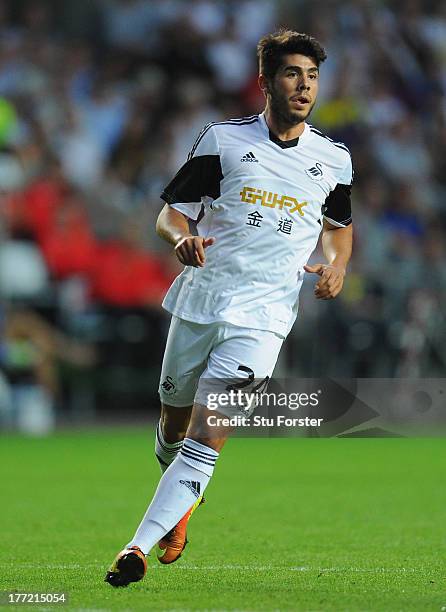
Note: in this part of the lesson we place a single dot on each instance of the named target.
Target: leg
(199, 429)
(179, 491)
(184, 482)
(174, 422)
(187, 348)
(174, 542)
(170, 433)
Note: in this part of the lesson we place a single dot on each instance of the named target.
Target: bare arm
(337, 244)
(173, 227)
(337, 247)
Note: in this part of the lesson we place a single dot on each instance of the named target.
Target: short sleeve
(346, 176)
(199, 177)
(337, 208)
(206, 143)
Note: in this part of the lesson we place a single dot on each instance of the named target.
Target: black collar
(283, 144)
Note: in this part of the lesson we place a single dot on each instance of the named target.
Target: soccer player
(259, 190)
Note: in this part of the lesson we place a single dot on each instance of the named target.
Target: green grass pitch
(311, 525)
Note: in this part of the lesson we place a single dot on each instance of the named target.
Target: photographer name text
(261, 421)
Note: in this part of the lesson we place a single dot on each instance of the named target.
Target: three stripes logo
(249, 157)
(315, 172)
(193, 485)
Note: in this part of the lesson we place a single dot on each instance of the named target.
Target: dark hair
(273, 47)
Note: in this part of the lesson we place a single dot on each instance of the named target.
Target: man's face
(293, 92)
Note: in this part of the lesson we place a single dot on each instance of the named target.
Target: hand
(331, 281)
(190, 250)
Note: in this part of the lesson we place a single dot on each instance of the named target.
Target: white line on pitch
(256, 568)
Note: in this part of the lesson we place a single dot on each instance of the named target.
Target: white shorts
(208, 357)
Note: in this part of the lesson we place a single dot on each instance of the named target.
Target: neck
(282, 129)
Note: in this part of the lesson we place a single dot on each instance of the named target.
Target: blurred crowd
(100, 102)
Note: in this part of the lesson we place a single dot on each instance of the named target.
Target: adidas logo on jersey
(315, 172)
(193, 485)
(249, 157)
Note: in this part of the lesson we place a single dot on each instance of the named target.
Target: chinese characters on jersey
(285, 225)
(254, 219)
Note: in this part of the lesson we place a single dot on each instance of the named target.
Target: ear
(263, 84)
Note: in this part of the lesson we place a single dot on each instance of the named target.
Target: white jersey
(263, 200)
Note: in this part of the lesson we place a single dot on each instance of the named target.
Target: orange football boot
(174, 542)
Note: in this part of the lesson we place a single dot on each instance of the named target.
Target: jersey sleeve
(337, 208)
(199, 177)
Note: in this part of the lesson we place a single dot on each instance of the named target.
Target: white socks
(164, 451)
(183, 482)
